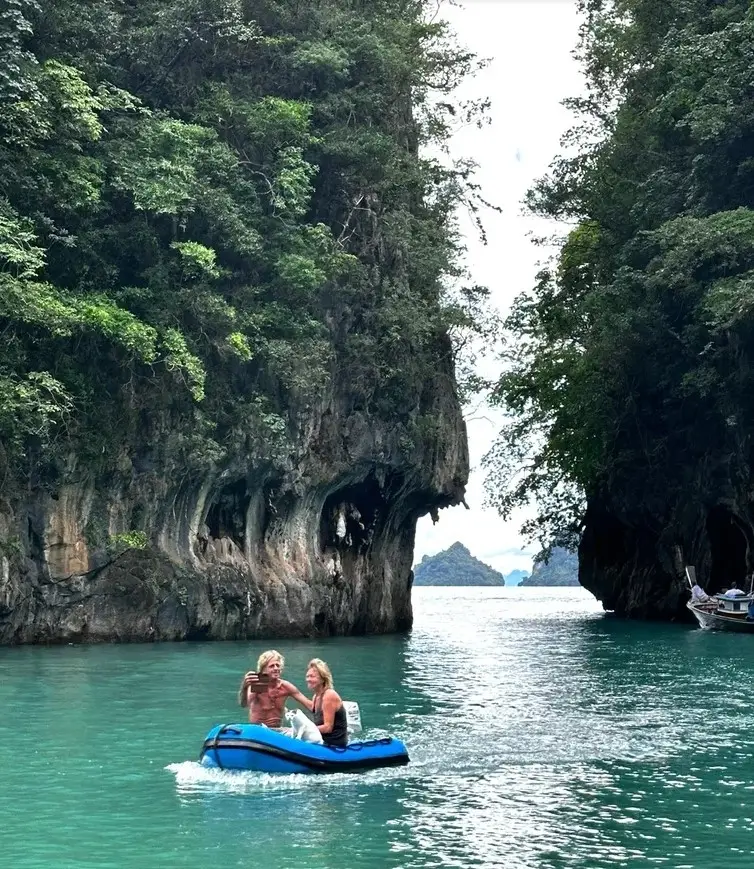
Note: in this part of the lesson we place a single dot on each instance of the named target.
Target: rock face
(635, 565)
(319, 543)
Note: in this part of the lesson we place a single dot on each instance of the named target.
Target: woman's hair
(266, 657)
(324, 671)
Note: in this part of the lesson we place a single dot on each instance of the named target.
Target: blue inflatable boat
(253, 747)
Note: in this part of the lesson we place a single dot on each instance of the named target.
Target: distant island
(456, 566)
(561, 569)
(516, 577)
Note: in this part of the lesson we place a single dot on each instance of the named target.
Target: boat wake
(193, 778)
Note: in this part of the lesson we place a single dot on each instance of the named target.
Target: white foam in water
(192, 777)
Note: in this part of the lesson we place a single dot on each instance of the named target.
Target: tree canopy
(629, 375)
(204, 202)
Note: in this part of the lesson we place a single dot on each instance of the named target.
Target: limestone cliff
(632, 376)
(635, 564)
(227, 275)
(246, 550)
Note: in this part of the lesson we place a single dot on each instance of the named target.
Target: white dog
(302, 727)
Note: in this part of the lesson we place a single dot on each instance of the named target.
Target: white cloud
(530, 73)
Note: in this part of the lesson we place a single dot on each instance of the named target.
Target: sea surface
(543, 734)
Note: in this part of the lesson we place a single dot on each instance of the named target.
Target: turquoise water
(542, 734)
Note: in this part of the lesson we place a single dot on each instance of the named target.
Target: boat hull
(252, 747)
(711, 620)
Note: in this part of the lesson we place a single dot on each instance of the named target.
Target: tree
(204, 208)
(629, 375)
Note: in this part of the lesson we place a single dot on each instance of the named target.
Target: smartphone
(258, 687)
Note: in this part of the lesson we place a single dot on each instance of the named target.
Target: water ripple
(542, 735)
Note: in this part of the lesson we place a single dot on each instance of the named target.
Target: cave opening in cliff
(729, 550)
(352, 515)
(226, 516)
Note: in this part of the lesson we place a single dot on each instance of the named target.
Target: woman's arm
(296, 695)
(330, 704)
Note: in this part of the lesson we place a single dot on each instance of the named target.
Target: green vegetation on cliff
(561, 568)
(455, 566)
(208, 206)
(630, 376)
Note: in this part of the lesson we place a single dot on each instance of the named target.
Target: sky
(531, 70)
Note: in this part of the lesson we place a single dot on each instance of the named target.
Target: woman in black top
(329, 712)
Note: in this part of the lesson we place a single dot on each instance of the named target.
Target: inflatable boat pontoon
(254, 747)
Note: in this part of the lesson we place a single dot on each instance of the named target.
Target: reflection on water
(542, 734)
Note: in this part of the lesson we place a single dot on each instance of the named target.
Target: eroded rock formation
(226, 382)
(250, 549)
(635, 565)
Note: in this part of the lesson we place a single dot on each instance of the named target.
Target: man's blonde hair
(266, 657)
(324, 671)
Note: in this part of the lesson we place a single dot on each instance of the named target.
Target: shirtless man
(266, 701)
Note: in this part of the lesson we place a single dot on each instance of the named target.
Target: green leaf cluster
(629, 373)
(119, 543)
(210, 205)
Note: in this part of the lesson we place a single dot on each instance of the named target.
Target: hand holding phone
(256, 682)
